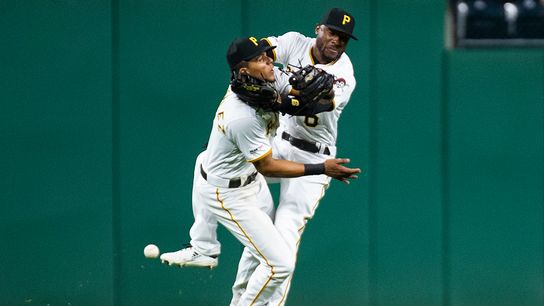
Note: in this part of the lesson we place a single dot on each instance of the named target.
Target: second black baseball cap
(339, 20)
(244, 49)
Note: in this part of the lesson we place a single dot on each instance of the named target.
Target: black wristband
(314, 169)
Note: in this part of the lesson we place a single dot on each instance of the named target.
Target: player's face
(330, 43)
(261, 67)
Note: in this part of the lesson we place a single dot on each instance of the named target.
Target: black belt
(232, 183)
(304, 145)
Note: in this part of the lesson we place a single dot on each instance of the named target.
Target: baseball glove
(255, 93)
(312, 84)
(312, 93)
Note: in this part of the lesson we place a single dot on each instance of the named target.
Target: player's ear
(243, 70)
(317, 28)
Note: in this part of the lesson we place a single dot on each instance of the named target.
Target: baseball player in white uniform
(231, 186)
(308, 139)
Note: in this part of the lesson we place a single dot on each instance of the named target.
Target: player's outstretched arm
(334, 168)
(271, 167)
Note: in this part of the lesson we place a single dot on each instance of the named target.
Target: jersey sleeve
(285, 46)
(282, 82)
(249, 135)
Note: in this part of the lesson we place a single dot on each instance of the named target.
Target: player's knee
(284, 269)
(291, 267)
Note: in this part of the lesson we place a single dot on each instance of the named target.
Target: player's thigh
(238, 209)
(301, 196)
(264, 197)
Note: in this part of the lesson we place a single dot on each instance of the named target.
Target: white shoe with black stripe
(189, 257)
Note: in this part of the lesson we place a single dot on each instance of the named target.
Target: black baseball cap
(244, 49)
(339, 20)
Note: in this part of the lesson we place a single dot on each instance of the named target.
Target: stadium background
(105, 104)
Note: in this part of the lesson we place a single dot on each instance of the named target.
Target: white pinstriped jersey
(293, 50)
(240, 135)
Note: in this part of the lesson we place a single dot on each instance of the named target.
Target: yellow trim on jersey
(273, 50)
(311, 56)
(250, 241)
(262, 156)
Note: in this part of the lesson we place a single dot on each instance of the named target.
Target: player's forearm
(271, 167)
(279, 168)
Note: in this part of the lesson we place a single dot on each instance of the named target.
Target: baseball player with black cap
(231, 185)
(307, 139)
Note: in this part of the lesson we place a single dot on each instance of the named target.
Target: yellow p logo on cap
(346, 19)
(254, 40)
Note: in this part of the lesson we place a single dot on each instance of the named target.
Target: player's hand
(335, 169)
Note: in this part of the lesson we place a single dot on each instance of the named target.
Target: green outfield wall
(105, 105)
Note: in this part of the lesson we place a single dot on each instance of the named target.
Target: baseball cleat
(189, 257)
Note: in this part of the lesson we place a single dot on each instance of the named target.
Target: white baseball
(151, 251)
